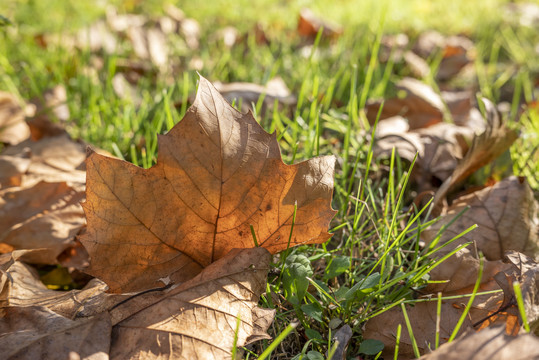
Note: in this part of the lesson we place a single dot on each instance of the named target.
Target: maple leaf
(493, 142)
(506, 215)
(218, 174)
(197, 319)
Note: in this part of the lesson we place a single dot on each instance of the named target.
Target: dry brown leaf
(150, 44)
(13, 129)
(488, 344)
(38, 333)
(6, 261)
(248, 94)
(422, 106)
(423, 320)
(47, 215)
(459, 104)
(309, 25)
(527, 274)
(461, 271)
(218, 173)
(493, 142)
(457, 51)
(506, 215)
(23, 289)
(51, 159)
(438, 147)
(197, 320)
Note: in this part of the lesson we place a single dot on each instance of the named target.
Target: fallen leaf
(23, 288)
(438, 147)
(458, 274)
(527, 274)
(343, 336)
(174, 12)
(124, 89)
(488, 344)
(13, 129)
(423, 321)
(460, 271)
(419, 67)
(393, 47)
(506, 215)
(157, 47)
(218, 173)
(97, 37)
(190, 30)
(309, 25)
(51, 159)
(6, 261)
(248, 94)
(75, 256)
(52, 102)
(493, 142)
(47, 215)
(457, 52)
(38, 333)
(123, 22)
(422, 106)
(197, 320)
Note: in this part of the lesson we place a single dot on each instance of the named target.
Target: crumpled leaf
(423, 320)
(197, 320)
(218, 173)
(488, 344)
(438, 147)
(493, 142)
(422, 106)
(23, 288)
(526, 272)
(506, 215)
(46, 216)
(461, 271)
(38, 333)
(51, 159)
(13, 128)
(6, 261)
(343, 336)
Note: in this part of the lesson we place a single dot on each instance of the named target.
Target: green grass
(374, 261)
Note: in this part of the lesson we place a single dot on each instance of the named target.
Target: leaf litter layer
(174, 244)
(437, 159)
